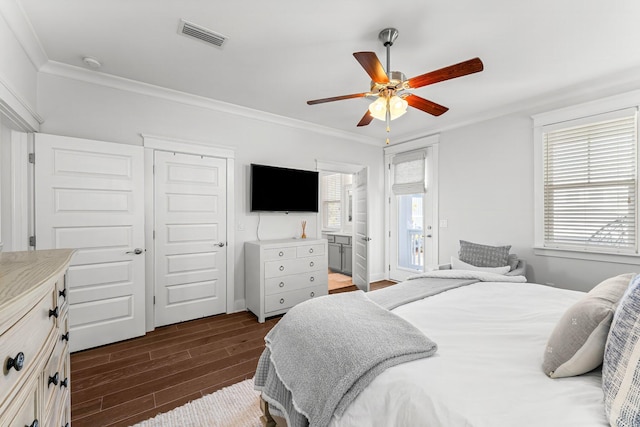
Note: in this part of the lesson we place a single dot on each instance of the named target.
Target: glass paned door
(410, 232)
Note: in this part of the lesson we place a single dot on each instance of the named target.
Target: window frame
(577, 112)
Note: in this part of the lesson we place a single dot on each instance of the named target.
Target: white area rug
(234, 406)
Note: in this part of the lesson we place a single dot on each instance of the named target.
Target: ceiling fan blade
(366, 119)
(338, 98)
(372, 66)
(451, 72)
(425, 105)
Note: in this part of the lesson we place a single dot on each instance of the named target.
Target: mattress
(487, 370)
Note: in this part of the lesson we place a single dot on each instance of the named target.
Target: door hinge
(154, 300)
(32, 241)
(154, 234)
(153, 169)
(389, 233)
(32, 158)
(389, 200)
(389, 267)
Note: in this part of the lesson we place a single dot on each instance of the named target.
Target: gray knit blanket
(326, 350)
(415, 289)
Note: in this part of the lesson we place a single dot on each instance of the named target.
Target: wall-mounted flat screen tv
(276, 189)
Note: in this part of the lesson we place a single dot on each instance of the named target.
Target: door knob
(366, 239)
(221, 244)
(136, 251)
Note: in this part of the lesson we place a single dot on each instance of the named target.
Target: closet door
(89, 195)
(190, 195)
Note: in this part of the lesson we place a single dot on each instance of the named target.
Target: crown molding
(128, 85)
(17, 109)
(20, 25)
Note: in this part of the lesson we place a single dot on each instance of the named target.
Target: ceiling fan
(391, 88)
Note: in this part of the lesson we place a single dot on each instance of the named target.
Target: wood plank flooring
(123, 383)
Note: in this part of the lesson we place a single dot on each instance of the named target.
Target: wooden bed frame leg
(266, 418)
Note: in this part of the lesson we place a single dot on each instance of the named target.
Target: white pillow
(456, 264)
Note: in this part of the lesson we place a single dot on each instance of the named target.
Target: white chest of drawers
(282, 273)
(34, 385)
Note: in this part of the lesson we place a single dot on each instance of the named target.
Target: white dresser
(34, 339)
(282, 273)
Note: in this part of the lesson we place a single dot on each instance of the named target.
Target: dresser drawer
(279, 253)
(286, 300)
(278, 285)
(294, 266)
(26, 338)
(310, 250)
(55, 379)
(28, 412)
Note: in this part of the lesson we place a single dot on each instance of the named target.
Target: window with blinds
(332, 200)
(590, 184)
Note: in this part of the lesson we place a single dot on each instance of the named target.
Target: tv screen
(275, 189)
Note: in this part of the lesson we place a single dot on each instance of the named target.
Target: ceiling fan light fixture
(378, 108)
(397, 107)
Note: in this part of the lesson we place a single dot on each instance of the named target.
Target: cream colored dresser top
(34, 349)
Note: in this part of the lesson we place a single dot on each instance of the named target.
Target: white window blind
(332, 200)
(590, 183)
(409, 173)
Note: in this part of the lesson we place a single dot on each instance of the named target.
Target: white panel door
(89, 195)
(190, 243)
(361, 243)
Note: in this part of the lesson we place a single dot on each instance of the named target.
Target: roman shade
(409, 175)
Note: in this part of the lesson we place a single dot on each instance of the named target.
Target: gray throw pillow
(483, 255)
(576, 345)
(621, 366)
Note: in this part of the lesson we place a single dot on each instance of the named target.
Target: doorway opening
(337, 226)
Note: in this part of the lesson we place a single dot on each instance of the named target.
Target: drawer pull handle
(35, 423)
(311, 264)
(310, 250)
(65, 337)
(54, 312)
(16, 363)
(280, 253)
(63, 293)
(64, 383)
(53, 380)
(281, 284)
(66, 425)
(282, 268)
(281, 300)
(312, 294)
(311, 279)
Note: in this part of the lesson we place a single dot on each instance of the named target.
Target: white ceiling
(279, 54)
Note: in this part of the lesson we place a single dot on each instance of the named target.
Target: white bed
(487, 370)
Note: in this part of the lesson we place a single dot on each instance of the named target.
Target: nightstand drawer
(278, 285)
(289, 299)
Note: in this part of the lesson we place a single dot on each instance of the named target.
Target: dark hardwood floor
(123, 383)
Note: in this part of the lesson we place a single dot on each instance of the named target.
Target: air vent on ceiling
(197, 32)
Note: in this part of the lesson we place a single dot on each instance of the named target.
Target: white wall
(486, 195)
(85, 110)
(17, 73)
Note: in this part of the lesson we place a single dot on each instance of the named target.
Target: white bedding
(487, 370)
